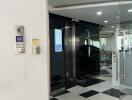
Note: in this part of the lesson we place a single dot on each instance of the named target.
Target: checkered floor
(100, 91)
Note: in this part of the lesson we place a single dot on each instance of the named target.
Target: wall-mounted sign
(35, 46)
(36, 42)
(20, 48)
(58, 40)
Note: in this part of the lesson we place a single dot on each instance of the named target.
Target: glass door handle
(122, 77)
(124, 69)
(89, 51)
(117, 74)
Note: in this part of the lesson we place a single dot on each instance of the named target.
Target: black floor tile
(53, 99)
(70, 83)
(90, 81)
(114, 92)
(103, 71)
(61, 93)
(89, 94)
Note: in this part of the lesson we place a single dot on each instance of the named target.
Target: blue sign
(19, 38)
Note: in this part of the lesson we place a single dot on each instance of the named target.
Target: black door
(57, 54)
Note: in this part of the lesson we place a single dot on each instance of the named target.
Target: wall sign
(35, 46)
(35, 42)
(20, 48)
(58, 40)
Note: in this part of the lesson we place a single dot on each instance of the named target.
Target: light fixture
(106, 21)
(130, 10)
(117, 17)
(99, 13)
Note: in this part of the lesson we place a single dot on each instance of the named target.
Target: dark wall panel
(87, 65)
(62, 62)
(57, 59)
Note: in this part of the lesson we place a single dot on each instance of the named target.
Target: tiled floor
(99, 91)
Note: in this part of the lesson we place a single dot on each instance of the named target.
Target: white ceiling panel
(57, 3)
(89, 14)
(110, 13)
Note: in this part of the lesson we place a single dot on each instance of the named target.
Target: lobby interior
(90, 49)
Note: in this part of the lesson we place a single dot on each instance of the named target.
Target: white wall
(23, 77)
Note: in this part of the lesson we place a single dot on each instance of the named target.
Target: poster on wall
(58, 40)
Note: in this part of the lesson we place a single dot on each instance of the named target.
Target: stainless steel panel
(74, 49)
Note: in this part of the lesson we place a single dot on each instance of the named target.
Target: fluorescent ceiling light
(99, 13)
(106, 21)
(130, 10)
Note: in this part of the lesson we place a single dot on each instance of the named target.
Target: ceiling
(59, 3)
(88, 11)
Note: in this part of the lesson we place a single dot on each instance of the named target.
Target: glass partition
(125, 49)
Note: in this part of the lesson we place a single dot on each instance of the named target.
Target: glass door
(124, 40)
(125, 54)
(125, 60)
(125, 49)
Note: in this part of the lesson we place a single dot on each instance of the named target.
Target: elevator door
(57, 59)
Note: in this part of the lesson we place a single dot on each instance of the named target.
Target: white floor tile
(128, 97)
(78, 90)
(101, 86)
(105, 78)
(102, 96)
(70, 96)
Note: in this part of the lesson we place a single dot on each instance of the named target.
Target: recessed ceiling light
(99, 13)
(130, 10)
(117, 17)
(106, 21)
(112, 26)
